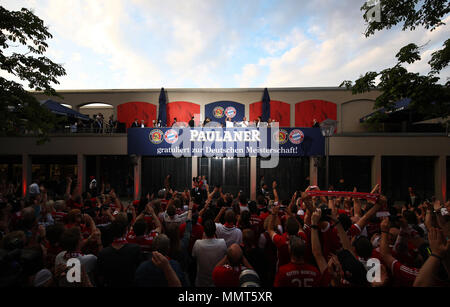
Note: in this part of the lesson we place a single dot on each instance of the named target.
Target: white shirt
(208, 253)
(244, 123)
(229, 124)
(88, 261)
(230, 235)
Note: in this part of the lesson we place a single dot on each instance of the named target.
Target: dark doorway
(399, 173)
(291, 174)
(115, 170)
(355, 170)
(155, 170)
(232, 174)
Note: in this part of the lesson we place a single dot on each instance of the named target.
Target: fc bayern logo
(296, 136)
(282, 136)
(156, 136)
(218, 112)
(171, 136)
(230, 112)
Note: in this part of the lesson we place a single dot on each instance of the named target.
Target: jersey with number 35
(297, 275)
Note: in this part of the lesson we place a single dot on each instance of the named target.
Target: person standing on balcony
(315, 123)
(135, 124)
(191, 122)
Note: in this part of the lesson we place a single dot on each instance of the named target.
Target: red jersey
(264, 215)
(59, 216)
(256, 224)
(102, 220)
(281, 242)
(344, 211)
(297, 275)
(403, 276)
(354, 230)
(73, 205)
(145, 241)
(227, 276)
(196, 234)
(329, 241)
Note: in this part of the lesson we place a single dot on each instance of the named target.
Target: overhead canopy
(57, 108)
(400, 105)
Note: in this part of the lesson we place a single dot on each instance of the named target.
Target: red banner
(368, 196)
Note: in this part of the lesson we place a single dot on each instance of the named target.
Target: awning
(57, 108)
(399, 106)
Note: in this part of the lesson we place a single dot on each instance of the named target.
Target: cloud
(338, 51)
(215, 43)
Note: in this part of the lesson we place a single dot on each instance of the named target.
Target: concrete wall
(66, 145)
(390, 145)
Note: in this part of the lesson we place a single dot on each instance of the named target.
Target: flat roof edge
(275, 89)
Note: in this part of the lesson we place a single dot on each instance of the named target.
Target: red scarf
(228, 225)
(120, 241)
(368, 196)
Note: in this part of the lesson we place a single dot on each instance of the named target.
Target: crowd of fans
(205, 237)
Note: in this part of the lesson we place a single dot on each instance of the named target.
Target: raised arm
(117, 202)
(310, 208)
(161, 262)
(357, 208)
(69, 186)
(385, 250)
(158, 226)
(366, 217)
(208, 201)
(188, 230)
(345, 241)
(293, 199)
(315, 242)
(273, 222)
(439, 252)
(275, 193)
(219, 215)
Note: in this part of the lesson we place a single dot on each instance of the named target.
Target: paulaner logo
(226, 136)
(214, 141)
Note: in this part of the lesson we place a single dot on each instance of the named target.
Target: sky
(120, 44)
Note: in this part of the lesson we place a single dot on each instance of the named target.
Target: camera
(326, 213)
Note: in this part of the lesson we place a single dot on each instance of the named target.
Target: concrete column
(313, 173)
(376, 170)
(26, 174)
(440, 178)
(137, 178)
(81, 179)
(253, 178)
(194, 166)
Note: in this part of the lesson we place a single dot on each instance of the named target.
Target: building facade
(362, 158)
